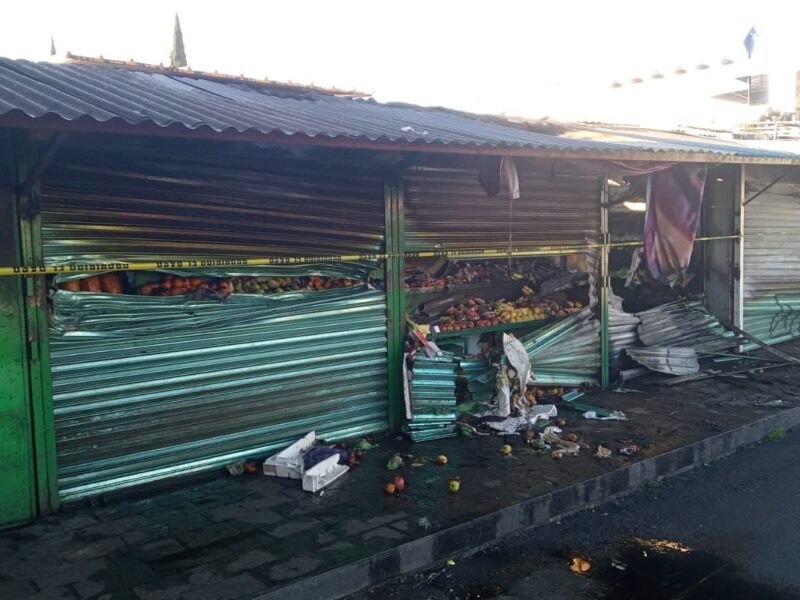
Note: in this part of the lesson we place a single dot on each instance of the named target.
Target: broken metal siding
(219, 383)
(146, 388)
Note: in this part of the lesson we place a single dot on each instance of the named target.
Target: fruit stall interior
(465, 307)
(456, 298)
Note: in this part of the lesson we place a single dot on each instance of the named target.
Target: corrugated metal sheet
(772, 258)
(107, 94)
(125, 205)
(448, 209)
(433, 397)
(146, 387)
(566, 352)
(684, 324)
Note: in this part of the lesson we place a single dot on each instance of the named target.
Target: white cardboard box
(323, 473)
(289, 461)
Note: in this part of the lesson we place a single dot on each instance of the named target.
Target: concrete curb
(488, 529)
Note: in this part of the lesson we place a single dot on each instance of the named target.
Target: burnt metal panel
(772, 257)
(146, 388)
(448, 209)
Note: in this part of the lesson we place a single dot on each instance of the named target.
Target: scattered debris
(395, 462)
(364, 445)
(580, 566)
(424, 523)
(772, 404)
(572, 395)
(602, 452)
(614, 415)
(630, 450)
(235, 468)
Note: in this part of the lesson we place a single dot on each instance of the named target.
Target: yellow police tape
(215, 263)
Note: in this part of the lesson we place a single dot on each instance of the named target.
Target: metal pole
(605, 284)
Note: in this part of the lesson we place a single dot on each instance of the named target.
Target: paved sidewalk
(237, 537)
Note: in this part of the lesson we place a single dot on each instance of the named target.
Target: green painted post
(605, 284)
(17, 473)
(41, 400)
(395, 299)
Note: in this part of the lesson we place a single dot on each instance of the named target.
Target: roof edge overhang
(54, 123)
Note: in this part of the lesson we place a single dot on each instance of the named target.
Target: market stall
(161, 373)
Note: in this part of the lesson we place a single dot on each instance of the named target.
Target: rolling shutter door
(146, 388)
(448, 209)
(772, 257)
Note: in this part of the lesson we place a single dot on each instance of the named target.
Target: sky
(531, 59)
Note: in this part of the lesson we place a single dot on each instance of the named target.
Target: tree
(177, 57)
(52, 46)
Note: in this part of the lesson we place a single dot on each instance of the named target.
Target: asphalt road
(729, 530)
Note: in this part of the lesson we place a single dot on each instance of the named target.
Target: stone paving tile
(60, 593)
(251, 560)
(168, 588)
(386, 533)
(207, 535)
(340, 545)
(159, 549)
(294, 567)
(16, 589)
(356, 526)
(244, 513)
(70, 573)
(240, 586)
(291, 528)
(102, 547)
(121, 526)
(403, 525)
(325, 538)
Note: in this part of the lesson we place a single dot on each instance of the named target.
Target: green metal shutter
(448, 209)
(772, 256)
(148, 388)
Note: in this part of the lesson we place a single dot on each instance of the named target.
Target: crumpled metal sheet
(566, 352)
(673, 361)
(480, 376)
(146, 388)
(684, 324)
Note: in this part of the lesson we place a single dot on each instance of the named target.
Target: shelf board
(501, 327)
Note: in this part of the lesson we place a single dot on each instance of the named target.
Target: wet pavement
(236, 537)
(728, 531)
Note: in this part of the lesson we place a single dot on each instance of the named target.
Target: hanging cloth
(670, 227)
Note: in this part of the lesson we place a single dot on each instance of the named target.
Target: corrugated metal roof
(110, 94)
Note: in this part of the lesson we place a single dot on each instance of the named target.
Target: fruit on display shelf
(477, 312)
(172, 285)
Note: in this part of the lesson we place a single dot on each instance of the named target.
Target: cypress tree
(177, 57)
